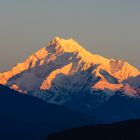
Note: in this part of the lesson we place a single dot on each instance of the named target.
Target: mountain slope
(59, 61)
(25, 117)
(106, 107)
(64, 73)
(128, 130)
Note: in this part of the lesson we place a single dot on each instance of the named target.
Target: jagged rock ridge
(63, 68)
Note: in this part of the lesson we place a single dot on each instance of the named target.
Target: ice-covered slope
(63, 68)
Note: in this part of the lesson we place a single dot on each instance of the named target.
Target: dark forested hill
(24, 117)
(128, 130)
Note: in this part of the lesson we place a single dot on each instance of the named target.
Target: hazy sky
(107, 27)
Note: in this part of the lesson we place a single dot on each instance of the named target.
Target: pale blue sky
(107, 27)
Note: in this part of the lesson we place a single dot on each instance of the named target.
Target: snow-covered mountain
(63, 69)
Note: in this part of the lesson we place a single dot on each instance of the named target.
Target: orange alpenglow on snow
(66, 60)
(48, 81)
(104, 84)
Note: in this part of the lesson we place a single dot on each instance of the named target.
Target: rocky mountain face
(63, 72)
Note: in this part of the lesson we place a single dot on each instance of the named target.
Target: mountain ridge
(66, 74)
(57, 62)
(26, 117)
(126, 130)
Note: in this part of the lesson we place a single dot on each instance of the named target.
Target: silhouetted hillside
(24, 117)
(128, 130)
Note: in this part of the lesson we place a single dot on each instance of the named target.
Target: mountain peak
(56, 40)
(68, 45)
(63, 60)
(60, 45)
